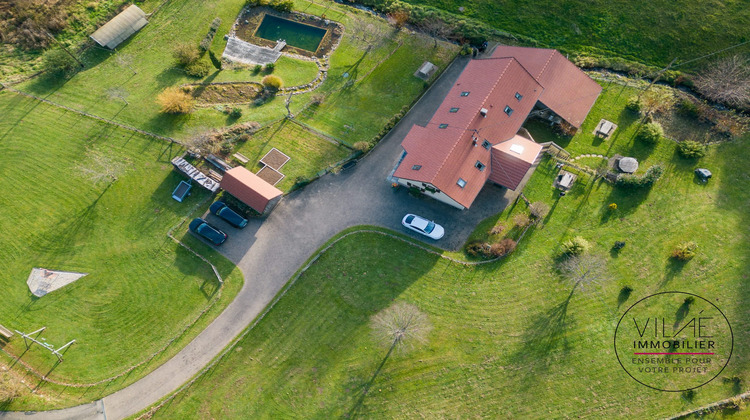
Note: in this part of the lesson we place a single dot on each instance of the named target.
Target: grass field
(142, 288)
(179, 21)
(308, 152)
(651, 32)
(508, 339)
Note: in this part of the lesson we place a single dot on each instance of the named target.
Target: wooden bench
(5, 332)
(214, 175)
(241, 158)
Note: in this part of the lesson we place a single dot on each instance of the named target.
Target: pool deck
(241, 51)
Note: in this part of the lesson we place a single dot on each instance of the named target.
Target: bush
(476, 248)
(257, 68)
(199, 69)
(650, 133)
(236, 113)
(362, 146)
(690, 149)
(272, 83)
(504, 247)
(685, 251)
(539, 209)
(634, 181)
(688, 108)
(522, 220)
(185, 54)
(613, 206)
(317, 99)
(215, 24)
(175, 101)
(58, 61)
(575, 246)
(497, 229)
(269, 68)
(634, 105)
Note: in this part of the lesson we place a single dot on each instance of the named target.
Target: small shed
(120, 28)
(251, 189)
(426, 70)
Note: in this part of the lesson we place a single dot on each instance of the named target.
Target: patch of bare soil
(225, 93)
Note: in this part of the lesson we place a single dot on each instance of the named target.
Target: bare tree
(585, 270)
(436, 28)
(369, 34)
(99, 167)
(726, 81)
(657, 101)
(118, 93)
(400, 325)
(539, 210)
(125, 60)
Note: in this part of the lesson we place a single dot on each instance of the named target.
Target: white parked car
(423, 226)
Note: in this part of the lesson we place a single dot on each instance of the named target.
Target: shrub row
(462, 29)
(364, 146)
(285, 6)
(485, 249)
(633, 68)
(635, 182)
(205, 44)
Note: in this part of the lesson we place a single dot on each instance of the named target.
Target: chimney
(483, 111)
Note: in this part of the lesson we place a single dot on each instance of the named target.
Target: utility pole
(63, 47)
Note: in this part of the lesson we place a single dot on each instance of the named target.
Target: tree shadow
(624, 295)
(681, 313)
(547, 333)
(674, 268)
(365, 389)
(627, 200)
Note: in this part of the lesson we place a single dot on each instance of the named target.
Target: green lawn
(508, 339)
(652, 32)
(371, 102)
(308, 152)
(142, 289)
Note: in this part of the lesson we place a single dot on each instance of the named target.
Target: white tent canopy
(128, 22)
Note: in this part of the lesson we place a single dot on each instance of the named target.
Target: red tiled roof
(568, 91)
(447, 154)
(512, 159)
(249, 188)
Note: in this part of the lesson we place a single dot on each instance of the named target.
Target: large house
(474, 135)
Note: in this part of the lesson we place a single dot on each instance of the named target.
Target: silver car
(423, 226)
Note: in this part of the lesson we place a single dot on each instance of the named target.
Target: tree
(272, 83)
(99, 167)
(174, 100)
(125, 60)
(400, 325)
(436, 28)
(726, 81)
(185, 54)
(368, 33)
(584, 270)
(203, 141)
(399, 18)
(118, 93)
(58, 61)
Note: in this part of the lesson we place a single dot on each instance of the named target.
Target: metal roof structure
(120, 28)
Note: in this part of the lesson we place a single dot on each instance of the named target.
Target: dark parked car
(213, 234)
(220, 209)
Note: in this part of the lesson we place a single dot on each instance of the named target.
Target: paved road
(269, 251)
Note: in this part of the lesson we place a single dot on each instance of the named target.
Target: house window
(479, 165)
(443, 126)
(518, 96)
(486, 144)
(464, 93)
(461, 182)
(454, 110)
(508, 110)
(416, 167)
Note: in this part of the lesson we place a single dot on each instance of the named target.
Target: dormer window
(461, 182)
(518, 96)
(508, 110)
(486, 144)
(416, 167)
(479, 165)
(443, 126)
(464, 93)
(454, 110)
